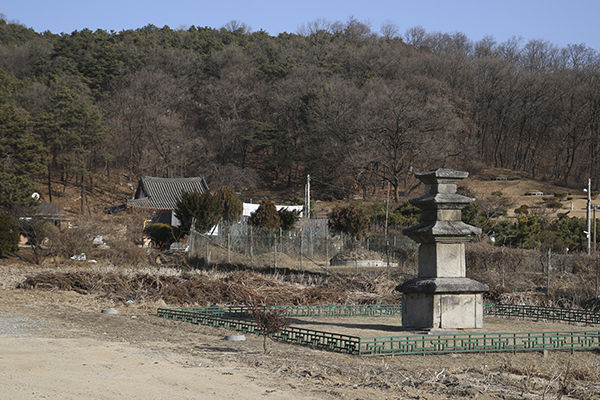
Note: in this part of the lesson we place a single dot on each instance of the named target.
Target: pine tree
(22, 158)
(265, 216)
(205, 207)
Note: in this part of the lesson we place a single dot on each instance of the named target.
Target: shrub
(268, 323)
(266, 216)
(350, 220)
(554, 204)
(560, 195)
(41, 235)
(73, 241)
(205, 207)
(523, 210)
(232, 205)
(9, 235)
(162, 235)
(288, 218)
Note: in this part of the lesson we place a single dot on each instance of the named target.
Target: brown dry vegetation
(212, 287)
(67, 318)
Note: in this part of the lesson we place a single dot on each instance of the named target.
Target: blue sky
(558, 21)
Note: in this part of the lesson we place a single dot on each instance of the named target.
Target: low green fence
(238, 318)
(542, 313)
(308, 337)
(324, 310)
(480, 343)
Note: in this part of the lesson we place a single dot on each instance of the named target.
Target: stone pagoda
(442, 297)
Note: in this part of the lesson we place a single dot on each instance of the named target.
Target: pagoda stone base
(442, 303)
(442, 311)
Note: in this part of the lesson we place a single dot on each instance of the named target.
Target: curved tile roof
(163, 193)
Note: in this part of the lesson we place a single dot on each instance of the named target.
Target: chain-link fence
(556, 279)
(311, 247)
(535, 276)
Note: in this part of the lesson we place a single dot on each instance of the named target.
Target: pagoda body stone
(442, 297)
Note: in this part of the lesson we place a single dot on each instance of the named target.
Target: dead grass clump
(359, 254)
(187, 288)
(124, 253)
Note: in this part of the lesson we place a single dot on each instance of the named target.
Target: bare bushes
(525, 275)
(124, 253)
(187, 288)
(117, 240)
(74, 240)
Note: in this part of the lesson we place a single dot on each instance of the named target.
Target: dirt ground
(482, 186)
(58, 345)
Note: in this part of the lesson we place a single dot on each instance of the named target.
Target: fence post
(327, 253)
(548, 274)
(502, 265)
(387, 253)
(356, 254)
(275, 250)
(251, 248)
(229, 248)
(597, 274)
(311, 245)
(301, 248)
(207, 254)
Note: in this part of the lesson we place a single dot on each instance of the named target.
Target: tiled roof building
(163, 193)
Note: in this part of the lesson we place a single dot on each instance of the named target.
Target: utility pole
(589, 221)
(387, 208)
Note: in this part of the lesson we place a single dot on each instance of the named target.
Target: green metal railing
(308, 337)
(480, 343)
(238, 318)
(325, 310)
(542, 313)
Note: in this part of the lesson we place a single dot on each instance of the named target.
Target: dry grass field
(57, 344)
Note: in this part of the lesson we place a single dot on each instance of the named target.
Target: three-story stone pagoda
(442, 297)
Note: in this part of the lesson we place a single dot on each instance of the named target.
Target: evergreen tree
(232, 205)
(9, 235)
(265, 216)
(350, 220)
(288, 218)
(206, 208)
(22, 158)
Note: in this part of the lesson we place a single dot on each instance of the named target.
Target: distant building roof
(163, 193)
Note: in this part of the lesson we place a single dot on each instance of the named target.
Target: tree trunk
(49, 185)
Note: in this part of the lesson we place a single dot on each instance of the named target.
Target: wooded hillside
(353, 108)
